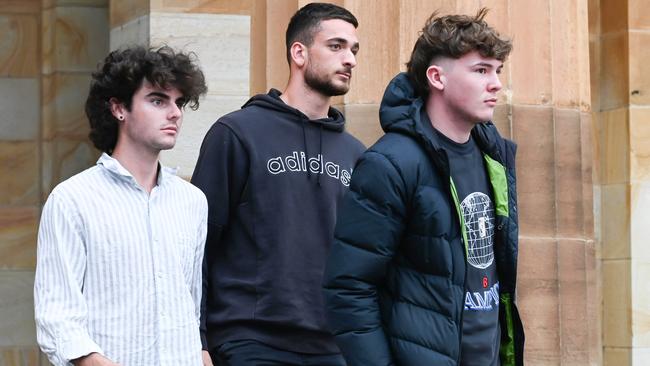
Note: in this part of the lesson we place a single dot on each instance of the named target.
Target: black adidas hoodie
(273, 179)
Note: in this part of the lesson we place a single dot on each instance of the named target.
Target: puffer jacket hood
(400, 106)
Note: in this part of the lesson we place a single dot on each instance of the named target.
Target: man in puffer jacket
(423, 268)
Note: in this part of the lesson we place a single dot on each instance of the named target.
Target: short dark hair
(453, 36)
(121, 74)
(305, 23)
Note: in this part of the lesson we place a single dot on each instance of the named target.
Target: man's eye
(481, 71)
(335, 47)
(156, 102)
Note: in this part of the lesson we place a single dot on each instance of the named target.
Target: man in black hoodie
(273, 173)
(423, 268)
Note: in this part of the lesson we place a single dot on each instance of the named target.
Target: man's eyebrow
(158, 94)
(340, 40)
(487, 64)
(344, 41)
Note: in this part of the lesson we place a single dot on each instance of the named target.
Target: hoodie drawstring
(304, 142)
(320, 151)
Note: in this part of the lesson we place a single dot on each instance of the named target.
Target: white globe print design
(479, 225)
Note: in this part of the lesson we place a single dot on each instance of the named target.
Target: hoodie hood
(334, 121)
(402, 111)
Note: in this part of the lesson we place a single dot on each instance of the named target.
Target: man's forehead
(336, 28)
(475, 58)
(149, 87)
(469, 59)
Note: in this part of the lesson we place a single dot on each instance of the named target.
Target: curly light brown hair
(453, 36)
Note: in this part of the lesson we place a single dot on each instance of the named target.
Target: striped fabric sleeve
(60, 309)
(197, 274)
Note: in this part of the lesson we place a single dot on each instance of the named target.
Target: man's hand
(93, 359)
(207, 360)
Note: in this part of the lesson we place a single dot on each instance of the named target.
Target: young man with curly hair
(120, 245)
(274, 173)
(423, 268)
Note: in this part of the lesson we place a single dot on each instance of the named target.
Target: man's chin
(340, 89)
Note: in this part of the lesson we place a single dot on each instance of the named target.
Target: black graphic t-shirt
(480, 342)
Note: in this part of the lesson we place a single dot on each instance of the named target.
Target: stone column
(622, 46)
(550, 120)
(47, 52)
(20, 194)
(218, 32)
(639, 91)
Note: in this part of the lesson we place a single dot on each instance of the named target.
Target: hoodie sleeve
(221, 172)
(369, 224)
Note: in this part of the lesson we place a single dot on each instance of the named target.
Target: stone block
(574, 314)
(362, 121)
(641, 300)
(615, 223)
(19, 109)
(640, 223)
(617, 303)
(568, 173)
(64, 97)
(538, 299)
(19, 56)
(531, 84)
(133, 32)
(533, 131)
(79, 38)
(376, 63)
(221, 43)
(614, 80)
(20, 182)
(241, 7)
(17, 328)
(123, 11)
(639, 144)
(63, 158)
(19, 356)
(18, 231)
(639, 17)
(639, 52)
(613, 133)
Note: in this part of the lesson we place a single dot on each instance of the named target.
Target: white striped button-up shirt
(119, 270)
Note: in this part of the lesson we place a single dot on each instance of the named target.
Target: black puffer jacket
(395, 278)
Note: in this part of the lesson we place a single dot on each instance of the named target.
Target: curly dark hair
(453, 36)
(306, 21)
(121, 75)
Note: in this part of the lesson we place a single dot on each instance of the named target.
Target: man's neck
(313, 104)
(143, 165)
(456, 130)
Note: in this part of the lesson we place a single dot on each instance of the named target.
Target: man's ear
(436, 77)
(117, 108)
(298, 53)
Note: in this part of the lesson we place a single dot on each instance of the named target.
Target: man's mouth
(347, 74)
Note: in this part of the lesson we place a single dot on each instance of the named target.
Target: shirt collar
(113, 165)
